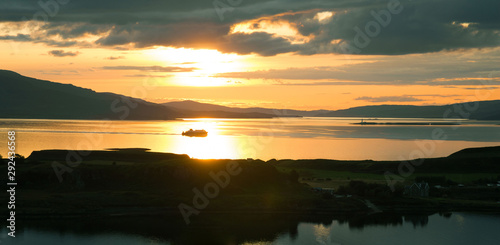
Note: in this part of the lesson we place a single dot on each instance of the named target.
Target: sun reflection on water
(213, 146)
(210, 147)
(322, 233)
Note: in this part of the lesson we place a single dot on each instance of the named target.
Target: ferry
(195, 133)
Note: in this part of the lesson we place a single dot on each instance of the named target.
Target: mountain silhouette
(30, 98)
(25, 97)
(480, 110)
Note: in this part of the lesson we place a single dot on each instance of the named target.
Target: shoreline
(174, 212)
(409, 124)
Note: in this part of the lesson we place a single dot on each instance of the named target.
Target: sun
(205, 62)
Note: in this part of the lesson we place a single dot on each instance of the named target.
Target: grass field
(334, 179)
(460, 178)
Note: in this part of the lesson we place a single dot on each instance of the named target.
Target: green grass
(334, 175)
(336, 178)
(107, 163)
(464, 178)
(459, 178)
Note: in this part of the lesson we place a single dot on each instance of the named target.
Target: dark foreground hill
(471, 160)
(134, 181)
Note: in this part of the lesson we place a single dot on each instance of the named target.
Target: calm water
(454, 229)
(281, 138)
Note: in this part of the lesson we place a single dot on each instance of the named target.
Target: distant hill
(205, 107)
(221, 114)
(485, 110)
(191, 108)
(197, 106)
(24, 97)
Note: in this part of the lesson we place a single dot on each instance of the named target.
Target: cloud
(439, 69)
(18, 38)
(450, 83)
(62, 53)
(151, 68)
(42, 39)
(152, 76)
(481, 88)
(421, 26)
(60, 72)
(403, 98)
(468, 82)
(261, 43)
(115, 57)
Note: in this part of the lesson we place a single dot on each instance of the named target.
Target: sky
(294, 54)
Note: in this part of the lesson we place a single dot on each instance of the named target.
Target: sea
(276, 138)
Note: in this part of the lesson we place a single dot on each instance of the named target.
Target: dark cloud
(184, 34)
(389, 99)
(62, 53)
(151, 68)
(422, 26)
(49, 42)
(18, 38)
(261, 43)
(72, 30)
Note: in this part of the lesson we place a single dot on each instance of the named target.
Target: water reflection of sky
(480, 131)
(460, 228)
(257, 138)
(455, 229)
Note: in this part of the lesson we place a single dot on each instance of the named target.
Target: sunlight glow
(324, 16)
(214, 146)
(207, 63)
(463, 24)
(322, 233)
(33, 29)
(279, 28)
(22, 28)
